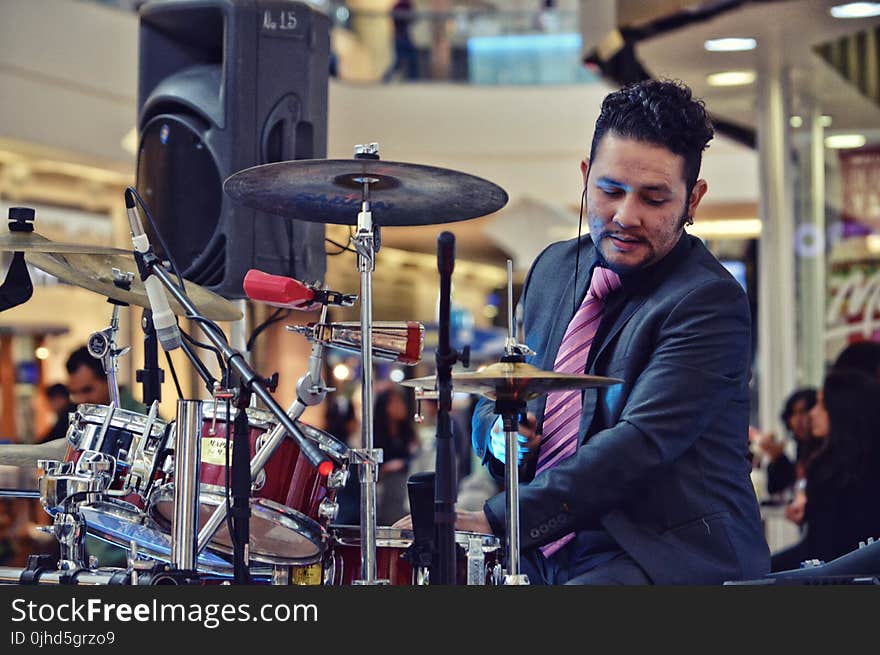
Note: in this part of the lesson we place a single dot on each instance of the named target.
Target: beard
(649, 255)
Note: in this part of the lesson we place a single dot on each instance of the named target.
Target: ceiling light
(730, 44)
(856, 10)
(795, 121)
(41, 353)
(731, 78)
(825, 120)
(845, 141)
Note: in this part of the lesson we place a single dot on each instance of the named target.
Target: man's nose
(628, 214)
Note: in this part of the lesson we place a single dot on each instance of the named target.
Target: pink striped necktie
(562, 413)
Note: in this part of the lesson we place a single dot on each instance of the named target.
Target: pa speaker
(225, 85)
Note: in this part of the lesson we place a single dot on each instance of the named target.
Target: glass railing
(486, 46)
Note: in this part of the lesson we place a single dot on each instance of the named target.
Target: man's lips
(624, 244)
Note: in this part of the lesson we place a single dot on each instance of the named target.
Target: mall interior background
(507, 90)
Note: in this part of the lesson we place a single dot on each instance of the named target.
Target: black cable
(173, 374)
(278, 315)
(207, 346)
(228, 481)
(341, 247)
(165, 248)
(577, 255)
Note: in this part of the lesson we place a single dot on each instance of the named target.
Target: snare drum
(290, 502)
(477, 557)
(137, 445)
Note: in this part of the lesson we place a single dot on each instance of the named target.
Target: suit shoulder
(702, 267)
(563, 251)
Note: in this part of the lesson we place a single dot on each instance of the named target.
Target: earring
(689, 221)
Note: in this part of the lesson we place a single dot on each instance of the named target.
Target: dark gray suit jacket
(663, 463)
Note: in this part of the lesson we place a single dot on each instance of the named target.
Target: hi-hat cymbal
(32, 242)
(515, 381)
(330, 191)
(95, 273)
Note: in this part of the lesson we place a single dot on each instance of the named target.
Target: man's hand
(529, 439)
(464, 520)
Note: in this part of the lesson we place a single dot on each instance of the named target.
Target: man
(86, 383)
(647, 481)
(58, 397)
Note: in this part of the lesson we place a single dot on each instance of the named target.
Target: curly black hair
(81, 357)
(660, 112)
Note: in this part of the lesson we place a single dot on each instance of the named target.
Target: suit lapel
(606, 336)
(574, 290)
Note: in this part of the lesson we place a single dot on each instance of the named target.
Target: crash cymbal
(32, 242)
(95, 273)
(330, 191)
(515, 381)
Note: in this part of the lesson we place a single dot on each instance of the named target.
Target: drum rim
(264, 419)
(131, 514)
(292, 519)
(122, 418)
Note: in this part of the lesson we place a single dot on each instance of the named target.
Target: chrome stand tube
(511, 480)
(187, 457)
(364, 243)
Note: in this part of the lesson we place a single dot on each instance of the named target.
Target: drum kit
(229, 492)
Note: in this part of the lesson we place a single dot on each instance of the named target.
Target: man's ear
(585, 169)
(697, 193)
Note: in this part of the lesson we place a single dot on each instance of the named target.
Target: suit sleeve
(700, 361)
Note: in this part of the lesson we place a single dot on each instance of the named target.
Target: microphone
(287, 293)
(163, 318)
(446, 253)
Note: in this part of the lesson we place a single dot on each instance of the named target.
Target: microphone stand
(238, 365)
(445, 483)
(310, 390)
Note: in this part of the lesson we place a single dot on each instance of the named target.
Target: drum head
(120, 523)
(279, 534)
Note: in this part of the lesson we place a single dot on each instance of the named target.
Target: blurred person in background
(840, 506)
(394, 432)
(782, 473)
(59, 402)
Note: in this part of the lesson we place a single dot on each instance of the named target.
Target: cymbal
(33, 242)
(330, 191)
(94, 272)
(515, 381)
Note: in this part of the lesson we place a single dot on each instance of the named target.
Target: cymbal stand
(310, 390)
(510, 408)
(103, 345)
(365, 242)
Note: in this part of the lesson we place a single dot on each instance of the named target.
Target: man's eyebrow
(660, 187)
(609, 182)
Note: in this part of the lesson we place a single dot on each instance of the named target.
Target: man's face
(86, 387)
(636, 200)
